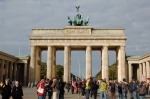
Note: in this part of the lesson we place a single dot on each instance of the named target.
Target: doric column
(38, 64)
(105, 69)
(130, 71)
(147, 70)
(2, 69)
(140, 67)
(25, 74)
(49, 62)
(69, 64)
(32, 64)
(66, 63)
(88, 62)
(15, 71)
(10, 71)
(121, 63)
(54, 62)
(6, 69)
(144, 71)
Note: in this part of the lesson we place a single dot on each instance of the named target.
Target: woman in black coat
(6, 90)
(17, 91)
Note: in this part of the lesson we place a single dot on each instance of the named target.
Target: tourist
(124, 88)
(120, 90)
(61, 89)
(83, 87)
(50, 89)
(95, 88)
(142, 90)
(29, 84)
(79, 87)
(113, 90)
(87, 88)
(134, 88)
(55, 90)
(41, 92)
(6, 90)
(68, 85)
(148, 87)
(103, 89)
(17, 91)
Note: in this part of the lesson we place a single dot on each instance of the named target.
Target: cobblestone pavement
(30, 93)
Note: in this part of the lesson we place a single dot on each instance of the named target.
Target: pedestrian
(29, 84)
(95, 88)
(6, 90)
(50, 89)
(103, 89)
(68, 85)
(41, 91)
(134, 92)
(17, 91)
(120, 90)
(113, 90)
(83, 87)
(61, 89)
(124, 88)
(55, 90)
(79, 86)
(142, 90)
(87, 88)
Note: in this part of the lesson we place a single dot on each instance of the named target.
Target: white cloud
(18, 17)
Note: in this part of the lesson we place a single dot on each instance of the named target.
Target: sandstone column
(25, 74)
(2, 70)
(32, 64)
(130, 72)
(140, 66)
(144, 71)
(10, 71)
(38, 64)
(6, 69)
(54, 62)
(15, 71)
(69, 64)
(49, 62)
(88, 62)
(66, 63)
(147, 70)
(105, 69)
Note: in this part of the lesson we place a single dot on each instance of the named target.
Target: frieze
(77, 31)
(77, 41)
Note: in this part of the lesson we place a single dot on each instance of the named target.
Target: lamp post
(79, 67)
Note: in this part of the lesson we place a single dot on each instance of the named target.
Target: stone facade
(76, 38)
(14, 68)
(139, 67)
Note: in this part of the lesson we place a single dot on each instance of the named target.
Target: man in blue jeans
(124, 88)
(103, 89)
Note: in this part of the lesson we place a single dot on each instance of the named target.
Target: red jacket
(42, 85)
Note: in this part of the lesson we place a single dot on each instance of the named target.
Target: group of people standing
(53, 87)
(11, 90)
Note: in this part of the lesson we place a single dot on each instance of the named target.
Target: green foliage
(112, 72)
(43, 70)
(59, 71)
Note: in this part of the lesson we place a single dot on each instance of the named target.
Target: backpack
(130, 87)
(142, 90)
(57, 85)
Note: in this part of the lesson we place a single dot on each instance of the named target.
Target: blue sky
(18, 17)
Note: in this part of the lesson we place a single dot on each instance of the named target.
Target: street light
(79, 67)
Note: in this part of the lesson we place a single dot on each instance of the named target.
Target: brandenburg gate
(77, 37)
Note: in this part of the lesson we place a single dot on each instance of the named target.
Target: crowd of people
(89, 88)
(11, 90)
(55, 89)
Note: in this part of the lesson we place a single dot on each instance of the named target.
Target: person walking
(41, 89)
(103, 89)
(17, 91)
(120, 90)
(142, 90)
(113, 90)
(61, 89)
(124, 88)
(6, 90)
(87, 88)
(95, 88)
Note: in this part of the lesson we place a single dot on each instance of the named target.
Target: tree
(112, 72)
(43, 70)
